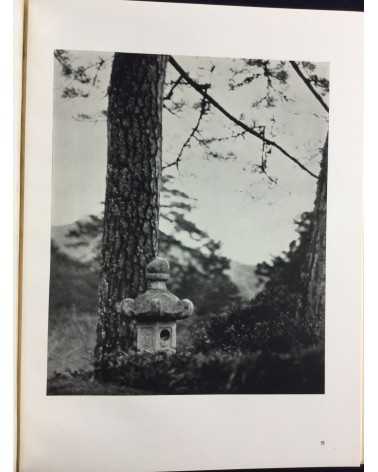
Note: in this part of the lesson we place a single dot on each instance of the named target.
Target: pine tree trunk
(314, 302)
(131, 215)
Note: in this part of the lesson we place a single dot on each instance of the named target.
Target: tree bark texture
(131, 215)
(314, 302)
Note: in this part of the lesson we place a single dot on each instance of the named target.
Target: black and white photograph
(188, 225)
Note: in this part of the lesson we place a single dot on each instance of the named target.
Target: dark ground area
(81, 386)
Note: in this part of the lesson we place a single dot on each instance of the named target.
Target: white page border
(197, 432)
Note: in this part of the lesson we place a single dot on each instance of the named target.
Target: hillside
(242, 275)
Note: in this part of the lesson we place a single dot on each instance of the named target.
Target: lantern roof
(157, 303)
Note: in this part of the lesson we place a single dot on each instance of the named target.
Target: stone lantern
(156, 311)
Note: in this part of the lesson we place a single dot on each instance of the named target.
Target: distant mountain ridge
(242, 275)
(82, 253)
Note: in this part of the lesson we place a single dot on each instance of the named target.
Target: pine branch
(309, 85)
(203, 91)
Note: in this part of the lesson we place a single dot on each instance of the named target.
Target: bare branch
(169, 110)
(261, 169)
(172, 89)
(203, 91)
(309, 85)
(207, 141)
(204, 108)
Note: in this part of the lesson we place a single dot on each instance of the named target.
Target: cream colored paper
(171, 433)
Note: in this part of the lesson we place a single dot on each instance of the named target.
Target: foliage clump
(217, 372)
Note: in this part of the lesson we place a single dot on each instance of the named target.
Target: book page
(192, 238)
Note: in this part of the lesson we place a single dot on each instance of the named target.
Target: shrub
(219, 372)
(251, 328)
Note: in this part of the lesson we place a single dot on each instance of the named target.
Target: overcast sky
(251, 216)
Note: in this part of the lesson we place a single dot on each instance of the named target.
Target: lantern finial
(158, 269)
